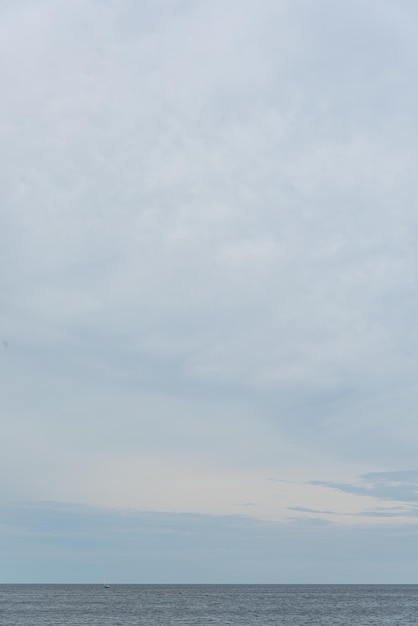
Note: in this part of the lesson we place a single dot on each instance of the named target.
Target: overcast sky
(208, 288)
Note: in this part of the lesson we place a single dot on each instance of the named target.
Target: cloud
(52, 542)
(399, 487)
(208, 254)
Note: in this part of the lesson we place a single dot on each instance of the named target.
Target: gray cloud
(53, 542)
(208, 242)
(304, 509)
(400, 486)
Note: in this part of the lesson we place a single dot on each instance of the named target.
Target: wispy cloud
(396, 487)
(399, 485)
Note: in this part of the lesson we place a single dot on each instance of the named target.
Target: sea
(196, 605)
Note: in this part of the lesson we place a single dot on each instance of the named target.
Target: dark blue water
(240, 605)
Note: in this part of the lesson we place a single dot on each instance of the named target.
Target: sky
(208, 291)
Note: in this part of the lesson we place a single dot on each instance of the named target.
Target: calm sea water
(225, 605)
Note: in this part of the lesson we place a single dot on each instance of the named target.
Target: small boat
(106, 584)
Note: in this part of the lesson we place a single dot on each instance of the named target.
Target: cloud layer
(208, 262)
(51, 542)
